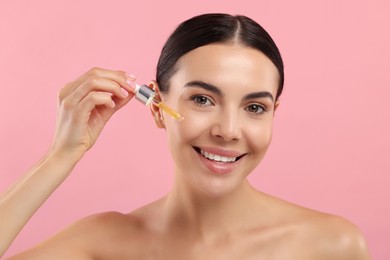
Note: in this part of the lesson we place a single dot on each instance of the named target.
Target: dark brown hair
(215, 28)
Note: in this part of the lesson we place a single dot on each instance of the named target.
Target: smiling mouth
(216, 157)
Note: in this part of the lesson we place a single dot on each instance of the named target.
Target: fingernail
(131, 76)
(124, 92)
(131, 84)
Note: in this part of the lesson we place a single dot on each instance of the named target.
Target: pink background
(331, 139)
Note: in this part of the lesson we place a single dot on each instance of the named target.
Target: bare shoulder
(329, 236)
(313, 234)
(109, 222)
(106, 235)
(96, 236)
(337, 237)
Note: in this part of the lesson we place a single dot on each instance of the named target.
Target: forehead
(229, 64)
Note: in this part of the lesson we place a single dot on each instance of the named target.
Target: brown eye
(256, 109)
(201, 100)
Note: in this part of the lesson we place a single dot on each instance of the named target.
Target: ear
(276, 105)
(156, 111)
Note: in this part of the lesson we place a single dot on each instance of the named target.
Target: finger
(120, 102)
(107, 113)
(94, 99)
(120, 77)
(97, 85)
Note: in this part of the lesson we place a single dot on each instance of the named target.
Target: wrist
(70, 158)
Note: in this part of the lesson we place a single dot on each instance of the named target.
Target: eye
(256, 109)
(200, 100)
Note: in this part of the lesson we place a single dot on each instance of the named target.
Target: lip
(220, 151)
(219, 167)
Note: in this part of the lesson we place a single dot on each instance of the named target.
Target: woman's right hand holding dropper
(85, 106)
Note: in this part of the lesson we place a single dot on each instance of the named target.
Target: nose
(227, 126)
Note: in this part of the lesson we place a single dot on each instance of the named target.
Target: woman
(224, 74)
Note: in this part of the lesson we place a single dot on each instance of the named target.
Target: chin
(218, 189)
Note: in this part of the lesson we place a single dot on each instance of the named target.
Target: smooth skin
(226, 93)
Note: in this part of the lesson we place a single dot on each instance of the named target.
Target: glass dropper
(147, 96)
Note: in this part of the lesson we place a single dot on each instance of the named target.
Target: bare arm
(22, 200)
(85, 106)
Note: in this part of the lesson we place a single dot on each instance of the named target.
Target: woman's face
(226, 94)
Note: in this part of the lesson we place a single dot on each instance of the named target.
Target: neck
(189, 209)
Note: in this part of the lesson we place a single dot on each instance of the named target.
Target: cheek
(193, 125)
(260, 136)
(182, 135)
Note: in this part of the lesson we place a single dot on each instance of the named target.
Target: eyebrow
(260, 94)
(218, 91)
(205, 86)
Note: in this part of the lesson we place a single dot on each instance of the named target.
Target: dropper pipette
(147, 96)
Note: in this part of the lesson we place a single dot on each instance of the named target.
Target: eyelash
(205, 99)
(262, 108)
(197, 102)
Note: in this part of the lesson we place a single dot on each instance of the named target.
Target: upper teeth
(216, 157)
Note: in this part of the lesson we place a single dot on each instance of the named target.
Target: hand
(85, 106)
